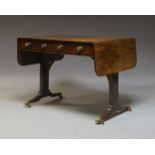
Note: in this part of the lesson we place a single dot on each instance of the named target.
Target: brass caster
(128, 108)
(27, 105)
(99, 120)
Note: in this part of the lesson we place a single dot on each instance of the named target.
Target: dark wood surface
(35, 45)
(114, 56)
(111, 55)
(71, 38)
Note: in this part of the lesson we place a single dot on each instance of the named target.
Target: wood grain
(111, 54)
(115, 56)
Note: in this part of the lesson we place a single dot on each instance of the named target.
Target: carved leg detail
(35, 99)
(41, 95)
(56, 94)
(45, 66)
(113, 108)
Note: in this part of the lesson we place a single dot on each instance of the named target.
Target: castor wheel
(128, 108)
(99, 120)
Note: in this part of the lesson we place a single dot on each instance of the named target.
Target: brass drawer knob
(27, 44)
(79, 48)
(60, 47)
(44, 45)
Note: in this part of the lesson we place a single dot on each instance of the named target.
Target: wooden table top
(110, 54)
(72, 38)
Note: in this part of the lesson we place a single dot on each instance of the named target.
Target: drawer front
(33, 46)
(56, 47)
(73, 48)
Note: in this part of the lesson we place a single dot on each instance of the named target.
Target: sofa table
(111, 55)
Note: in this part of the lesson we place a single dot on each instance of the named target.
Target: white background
(78, 147)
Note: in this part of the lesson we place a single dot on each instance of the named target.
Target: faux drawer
(58, 47)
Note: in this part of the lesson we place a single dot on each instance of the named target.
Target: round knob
(44, 45)
(79, 48)
(27, 44)
(60, 47)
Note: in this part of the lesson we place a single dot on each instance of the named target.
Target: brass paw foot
(99, 120)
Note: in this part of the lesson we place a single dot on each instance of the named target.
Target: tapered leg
(113, 108)
(44, 91)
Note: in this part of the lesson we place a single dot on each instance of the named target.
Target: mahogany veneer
(111, 55)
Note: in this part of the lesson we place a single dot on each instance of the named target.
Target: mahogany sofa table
(111, 55)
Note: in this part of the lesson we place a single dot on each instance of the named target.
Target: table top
(110, 54)
(72, 38)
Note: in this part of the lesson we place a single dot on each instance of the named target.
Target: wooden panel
(111, 55)
(115, 56)
(72, 38)
(72, 48)
(32, 45)
(28, 58)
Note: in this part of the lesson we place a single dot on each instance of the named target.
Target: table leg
(45, 66)
(113, 108)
